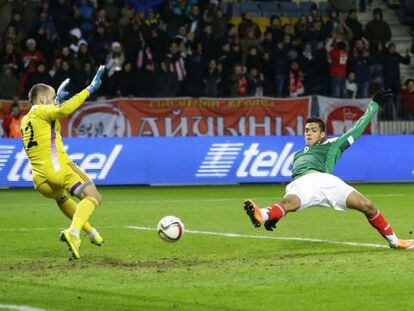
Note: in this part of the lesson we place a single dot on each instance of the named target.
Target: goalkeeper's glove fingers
(96, 82)
(61, 92)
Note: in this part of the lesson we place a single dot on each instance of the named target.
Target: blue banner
(212, 160)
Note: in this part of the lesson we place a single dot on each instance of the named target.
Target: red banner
(189, 117)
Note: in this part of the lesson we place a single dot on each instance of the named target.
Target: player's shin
(273, 212)
(83, 211)
(68, 207)
(378, 222)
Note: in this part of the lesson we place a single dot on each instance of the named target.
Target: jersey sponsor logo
(5, 153)
(99, 120)
(250, 161)
(97, 165)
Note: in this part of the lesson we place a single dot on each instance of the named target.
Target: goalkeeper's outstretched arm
(54, 112)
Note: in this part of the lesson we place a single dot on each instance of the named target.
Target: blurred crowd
(192, 48)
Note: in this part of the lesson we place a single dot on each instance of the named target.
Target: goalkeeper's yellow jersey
(41, 137)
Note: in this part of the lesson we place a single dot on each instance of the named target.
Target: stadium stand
(177, 40)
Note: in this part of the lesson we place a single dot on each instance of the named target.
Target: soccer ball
(170, 229)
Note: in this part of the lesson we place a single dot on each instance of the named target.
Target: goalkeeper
(54, 174)
(313, 183)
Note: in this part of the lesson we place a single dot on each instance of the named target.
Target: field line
(19, 308)
(236, 235)
(208, 200)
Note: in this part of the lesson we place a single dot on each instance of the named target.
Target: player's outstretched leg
(359, 202)
(271, 215)
(68, 207)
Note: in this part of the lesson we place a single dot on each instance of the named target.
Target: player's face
(313, 133)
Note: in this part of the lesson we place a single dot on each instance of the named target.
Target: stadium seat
(224, 6)
(305, 7)
(269, 6)
(289, 9)
(271, 13)
(249, 6)
(325, 8)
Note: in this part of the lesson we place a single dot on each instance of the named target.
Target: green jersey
(322, 157)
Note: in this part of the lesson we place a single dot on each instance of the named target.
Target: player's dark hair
(36, 90)
(317, 120)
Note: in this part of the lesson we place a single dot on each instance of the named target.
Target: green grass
(135, 270)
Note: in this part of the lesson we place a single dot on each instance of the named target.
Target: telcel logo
(268, 163)
(96, 165)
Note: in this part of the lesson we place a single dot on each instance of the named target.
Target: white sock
(74, 232)
(265, 214)
(392, 238)
(93, 233)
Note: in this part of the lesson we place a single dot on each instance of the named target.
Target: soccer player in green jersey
(313, 183)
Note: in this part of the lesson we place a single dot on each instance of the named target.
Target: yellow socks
(68, 207)
(83, 211)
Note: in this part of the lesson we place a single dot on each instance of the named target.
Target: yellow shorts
(70, 178)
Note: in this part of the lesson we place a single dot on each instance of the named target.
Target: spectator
(307, 62)
(351, 86)
(63, 17)
(407, 101)
(208, 43)
(176, 62)
(9, 84)
(41, 75)
(83, 56)
(246, 43)
(322, 72)
(338, 57)
(124, 81)
(377, 32)
(158, 42)
(83, 15)
(114, 59)
(275, 28)
(246, 25)
(239, 85)
(195, 68)
(280, 69)
(10, 57)
(296, 87)
(166, 82)
(99, 44)
(219, 24)
(11, 123)
(391, 60)
(82, 78)
(61, 74)
(253, 58)
(31, 56)
(301, 27)
(255, 80)
(359, 63)
(146, 70)
(353, 24)
(212, 80)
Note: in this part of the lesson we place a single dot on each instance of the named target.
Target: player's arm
(346, 140)
(54, 112)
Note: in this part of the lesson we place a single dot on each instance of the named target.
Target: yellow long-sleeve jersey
(41, 137)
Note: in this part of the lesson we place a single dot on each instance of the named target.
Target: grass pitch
(135, 270)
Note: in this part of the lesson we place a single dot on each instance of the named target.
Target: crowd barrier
(212, 160)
